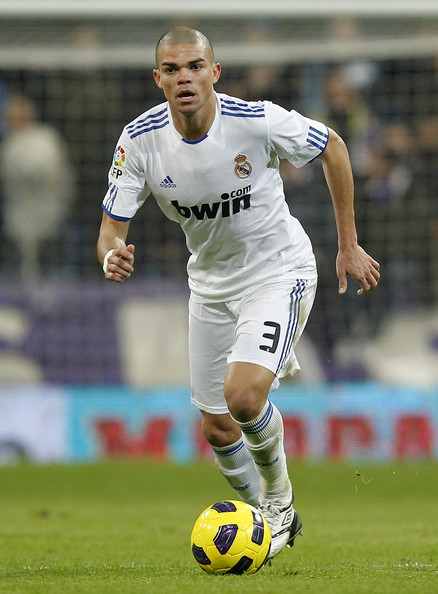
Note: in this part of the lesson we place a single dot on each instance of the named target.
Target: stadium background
(90, 369)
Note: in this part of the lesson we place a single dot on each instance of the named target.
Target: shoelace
(270, 509)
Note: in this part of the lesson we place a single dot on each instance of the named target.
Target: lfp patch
(119, 161)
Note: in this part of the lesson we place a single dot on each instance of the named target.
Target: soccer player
(211, 162)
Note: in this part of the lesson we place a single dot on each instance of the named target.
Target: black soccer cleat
(295, 529)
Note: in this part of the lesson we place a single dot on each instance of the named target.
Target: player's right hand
(120, 264)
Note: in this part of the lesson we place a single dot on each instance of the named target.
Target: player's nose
(184, 75)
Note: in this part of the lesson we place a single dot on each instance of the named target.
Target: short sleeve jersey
(224, 190)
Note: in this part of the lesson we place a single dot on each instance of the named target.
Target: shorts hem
(213, 410)
(240, 359)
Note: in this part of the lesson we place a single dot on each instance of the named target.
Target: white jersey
(223, 189)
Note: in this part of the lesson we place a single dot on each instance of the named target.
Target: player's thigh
(211, 336)
(270, 323)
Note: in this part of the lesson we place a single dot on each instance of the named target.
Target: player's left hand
(354, 261)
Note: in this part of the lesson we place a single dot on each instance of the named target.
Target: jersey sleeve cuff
(115, 217)
(318, 139)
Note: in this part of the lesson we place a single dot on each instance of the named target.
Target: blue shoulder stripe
(240, 109)
(243, 104)
(153, 121)
(241, 114)
(140, 122)
(149, 129)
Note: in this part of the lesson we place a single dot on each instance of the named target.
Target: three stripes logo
(317, 138)
(167, 183)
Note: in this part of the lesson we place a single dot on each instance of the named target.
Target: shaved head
(182, 35)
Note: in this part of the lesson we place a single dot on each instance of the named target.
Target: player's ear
(157, 77)
(217, 69)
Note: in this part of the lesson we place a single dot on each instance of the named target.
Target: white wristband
(105, 260)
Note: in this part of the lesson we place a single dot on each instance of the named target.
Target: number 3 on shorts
(274, 337)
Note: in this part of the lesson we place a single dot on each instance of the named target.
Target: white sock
(235, 463)
(264, 439)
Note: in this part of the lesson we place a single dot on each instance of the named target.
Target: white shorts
(262, 328)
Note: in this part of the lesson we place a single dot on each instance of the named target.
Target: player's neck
(194, 126)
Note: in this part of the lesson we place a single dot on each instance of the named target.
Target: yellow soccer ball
(231, 537)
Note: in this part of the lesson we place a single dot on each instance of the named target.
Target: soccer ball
(231, 537)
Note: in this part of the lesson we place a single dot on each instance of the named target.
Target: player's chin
(187, 106)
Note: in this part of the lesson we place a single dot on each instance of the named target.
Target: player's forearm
(339, 178)
(107, 242)
(112, 235)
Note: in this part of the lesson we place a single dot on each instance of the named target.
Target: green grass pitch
(124, 527)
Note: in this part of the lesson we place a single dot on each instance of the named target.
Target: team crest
(243, 167)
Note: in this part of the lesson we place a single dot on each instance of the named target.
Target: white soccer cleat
(284, 522)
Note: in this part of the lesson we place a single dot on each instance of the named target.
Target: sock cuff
(235, 449)
(261, 422)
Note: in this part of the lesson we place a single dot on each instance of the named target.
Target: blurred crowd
(58, 131)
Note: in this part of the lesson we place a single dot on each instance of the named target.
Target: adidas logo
(167, 183)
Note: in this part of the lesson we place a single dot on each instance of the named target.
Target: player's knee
(246, 388)
(244, 402)
(220, 430)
